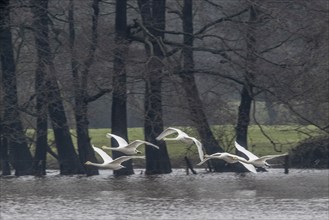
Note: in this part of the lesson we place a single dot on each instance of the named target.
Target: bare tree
(247, 88)
(119, 95)
(68, 159)
(3, 143)
(19, 155)
(192, 94)
(80, 83)
(153, 17)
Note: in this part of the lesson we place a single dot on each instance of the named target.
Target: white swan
(229, 158)
(254, 160)
(126, 148)
(108, 162)
(181, 136)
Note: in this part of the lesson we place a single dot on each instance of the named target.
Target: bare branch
(227, 18)
(97, 96)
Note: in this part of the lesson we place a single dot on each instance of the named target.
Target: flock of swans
(130, 149)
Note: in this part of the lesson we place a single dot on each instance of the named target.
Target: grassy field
(285, 137)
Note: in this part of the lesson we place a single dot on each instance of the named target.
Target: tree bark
(86, 152)
(19, 155)
(119, 93)
(193, 98)
(5, 167)
(153, 16)
(68, 159)
(39, 163)
(246, 93)
(4, 153)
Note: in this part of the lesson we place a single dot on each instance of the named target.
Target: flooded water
(301, 194)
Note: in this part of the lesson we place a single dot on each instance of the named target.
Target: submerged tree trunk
(246, 93)
(247, 89)
(193, 98)
(19, 155)
(68, 159)
(5, 167)
(4, 153)
(86, 152)
(243, 117)
(119, 95)
(41, 145)
(153, 15)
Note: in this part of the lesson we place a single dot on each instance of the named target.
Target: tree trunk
(243, 117)
(193, 98)
(153, 16)
(157, 161)
(39, 163)
(246, 94)
(19, 155)
(4, 154)
(5, 167)
(119, 95)
(68, 159)
(86, 152)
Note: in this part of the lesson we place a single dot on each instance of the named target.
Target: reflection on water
(302, 194)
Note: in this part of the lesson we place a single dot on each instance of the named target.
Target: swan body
(108, 162)
(254, 160)
(181, 136)
(229, 158)
(126, 148)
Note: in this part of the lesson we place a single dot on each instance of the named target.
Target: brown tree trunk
(246, 93)
(243, 117)
(5, 167)
(39, 163)
(193, 98)
(86, 152)
(153, 16)
(68, 159)
(4, 153)
(19, 155)
(119, 95)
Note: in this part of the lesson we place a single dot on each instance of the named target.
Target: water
(302, 194)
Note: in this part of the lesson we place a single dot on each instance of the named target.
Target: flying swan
(108, 162)
(254, 160)
(229, 158)
(181, 136)
(126, 148)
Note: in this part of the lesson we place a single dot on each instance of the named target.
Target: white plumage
(108, 162)
(229, 158)
(126, 148)
(181, 136)
(253, 159)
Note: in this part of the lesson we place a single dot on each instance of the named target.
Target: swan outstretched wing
(203, 161)
(122, 142)
(268, 157)
(214, 155)
(137, 143)
(207, 157)
(106, 158)
(250, 155)
(249, 167)
(121, 159)
(167, 132)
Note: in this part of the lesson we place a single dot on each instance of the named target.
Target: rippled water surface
(301, 194)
